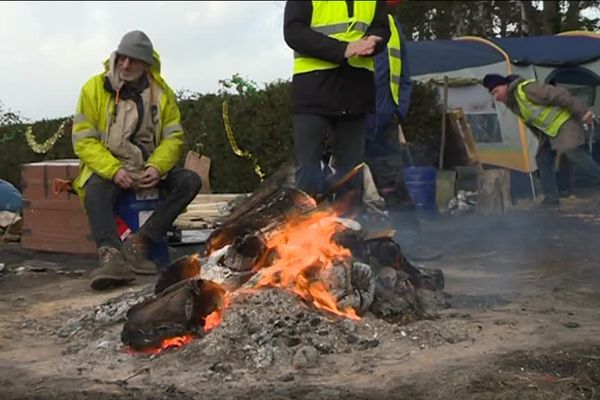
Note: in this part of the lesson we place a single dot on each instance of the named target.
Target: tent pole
(444, 111)
(532, 185)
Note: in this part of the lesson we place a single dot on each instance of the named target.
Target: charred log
(178, 310)
(179, 270)
(384, 252)
(283, 177)
(272, 211)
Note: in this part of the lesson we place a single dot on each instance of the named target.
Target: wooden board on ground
(493, 191)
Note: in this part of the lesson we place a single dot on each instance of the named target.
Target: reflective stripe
(395, 53)
(341, 28)
(548, 119)
(394, 47)
(331, 29)
(168, 130)
(361, 27)
(77, 136)
(79, 118)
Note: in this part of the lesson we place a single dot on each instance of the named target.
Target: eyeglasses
(121, 58)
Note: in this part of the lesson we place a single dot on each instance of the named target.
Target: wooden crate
(53, 223)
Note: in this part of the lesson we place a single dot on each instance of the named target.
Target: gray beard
(130, 77)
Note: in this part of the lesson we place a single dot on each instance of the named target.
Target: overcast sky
(49, 49)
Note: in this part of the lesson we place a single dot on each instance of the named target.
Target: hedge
(261, 124)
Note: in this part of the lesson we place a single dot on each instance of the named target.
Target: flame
(214, 319)
(167, 344)
(305, 249)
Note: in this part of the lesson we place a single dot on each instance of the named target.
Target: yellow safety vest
(331, 18)
(548, 119)
(395, 59)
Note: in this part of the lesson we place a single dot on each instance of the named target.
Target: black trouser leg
(100, 197)
(545, 159)
(309, 134)
(348, 148)
(181, 185)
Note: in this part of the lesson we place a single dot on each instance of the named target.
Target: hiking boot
(136, 249)
(112, 269)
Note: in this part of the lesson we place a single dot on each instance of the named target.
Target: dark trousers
(347, 146)
(181, 186)
(546, 157)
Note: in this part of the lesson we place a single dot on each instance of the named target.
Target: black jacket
(344, 90)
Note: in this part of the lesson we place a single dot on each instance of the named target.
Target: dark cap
(490, 81)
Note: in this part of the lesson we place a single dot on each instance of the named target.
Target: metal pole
(532, 185)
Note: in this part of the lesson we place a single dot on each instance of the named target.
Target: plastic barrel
(135, 208)
(420, 183)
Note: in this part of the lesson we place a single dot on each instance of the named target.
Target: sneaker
(112, 269)
(135, 249)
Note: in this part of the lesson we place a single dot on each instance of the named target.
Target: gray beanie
(137, 44)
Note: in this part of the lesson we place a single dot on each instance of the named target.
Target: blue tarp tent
(570, 59)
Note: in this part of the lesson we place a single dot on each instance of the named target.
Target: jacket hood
(109, 69)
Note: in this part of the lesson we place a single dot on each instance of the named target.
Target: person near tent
(556, 116)
(333, 85)
(383, 150)
(127, 135)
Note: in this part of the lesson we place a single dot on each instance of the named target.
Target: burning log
(353, 287)
(180, 310)
(179, 270)
(275, 208)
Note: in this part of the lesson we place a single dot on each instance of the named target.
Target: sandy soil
(524, 323)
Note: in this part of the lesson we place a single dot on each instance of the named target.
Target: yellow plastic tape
(232, 143)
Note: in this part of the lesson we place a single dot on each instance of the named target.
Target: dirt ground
(524, 323)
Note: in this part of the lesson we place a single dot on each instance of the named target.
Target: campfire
(289, 242)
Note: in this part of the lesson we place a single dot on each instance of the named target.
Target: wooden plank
(464, 135)
(217, 197)
(200, 165)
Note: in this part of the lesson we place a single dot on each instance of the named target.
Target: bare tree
(448, 19)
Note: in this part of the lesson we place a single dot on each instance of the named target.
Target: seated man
(127, 135)
(556, 116)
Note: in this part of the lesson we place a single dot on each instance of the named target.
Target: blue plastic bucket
(135, 208)
(420, 183)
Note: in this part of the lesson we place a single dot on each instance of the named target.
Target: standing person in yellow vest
(127, 135)
(556, 116)
(333, 84)
(383, 150)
